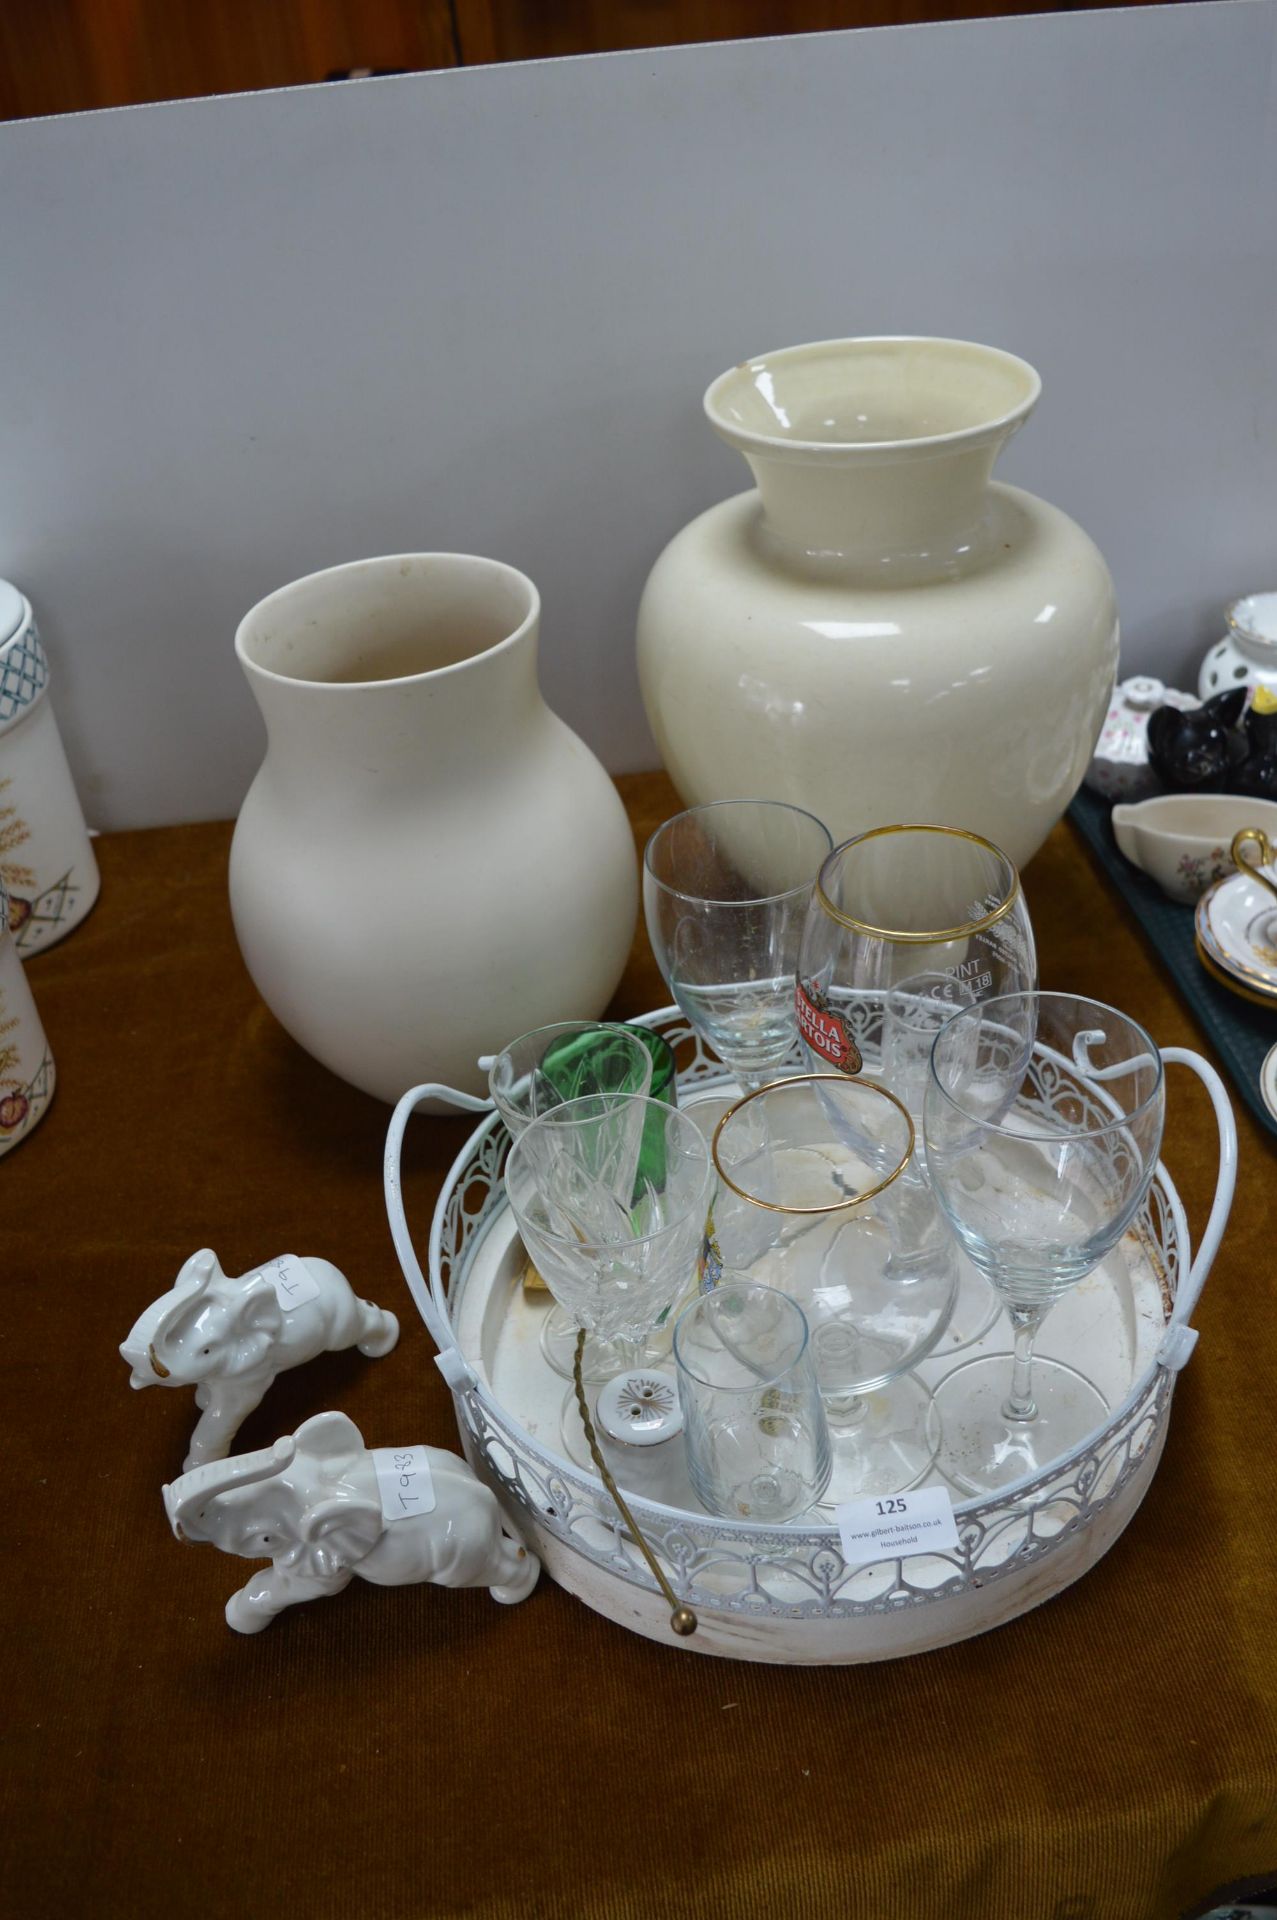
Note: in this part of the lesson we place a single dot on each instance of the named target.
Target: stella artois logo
(825, 1032)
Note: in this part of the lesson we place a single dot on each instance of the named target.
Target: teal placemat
(1242, 1033)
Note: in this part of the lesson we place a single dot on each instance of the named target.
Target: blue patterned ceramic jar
(46, 859)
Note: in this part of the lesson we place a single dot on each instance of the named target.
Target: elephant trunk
(187, 1497)
(181, 1302)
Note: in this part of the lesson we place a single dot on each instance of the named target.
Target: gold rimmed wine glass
(907, 925)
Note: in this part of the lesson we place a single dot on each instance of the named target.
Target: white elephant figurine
(228, 1336)
(323, 1508)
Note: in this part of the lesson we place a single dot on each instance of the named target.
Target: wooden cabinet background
(62, 56)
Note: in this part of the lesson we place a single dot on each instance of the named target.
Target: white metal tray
(785, 1594)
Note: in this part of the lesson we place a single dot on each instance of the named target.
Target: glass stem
(1019, 1403)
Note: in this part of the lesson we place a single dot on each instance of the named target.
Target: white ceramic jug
(429, 862)
(880, 633)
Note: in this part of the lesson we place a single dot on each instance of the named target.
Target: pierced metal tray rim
(1004, 1499)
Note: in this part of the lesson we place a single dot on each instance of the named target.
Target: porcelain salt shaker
(1119, 768)
(27, 1072)
(639, 1424)
(46, 860)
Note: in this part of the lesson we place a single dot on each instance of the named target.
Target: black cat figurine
(1202, 750)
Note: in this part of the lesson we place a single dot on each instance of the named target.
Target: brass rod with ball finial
(682, 1618)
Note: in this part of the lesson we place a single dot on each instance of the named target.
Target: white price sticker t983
(403, 1481)
(292, 1280)
(896, 1525)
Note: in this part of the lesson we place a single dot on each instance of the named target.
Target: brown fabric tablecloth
(1110, 1756)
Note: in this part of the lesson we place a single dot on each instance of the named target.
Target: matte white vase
(880, 633)
(429, 862)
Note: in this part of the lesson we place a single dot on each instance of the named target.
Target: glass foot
(883, 1442)
(983, 1450)
(602, 1358)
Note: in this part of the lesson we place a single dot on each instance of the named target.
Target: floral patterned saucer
(1236, 926)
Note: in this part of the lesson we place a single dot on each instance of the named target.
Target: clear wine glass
(810, 1200)
(726, 889)
(1043, 1118)
(908, 925)
(613, 1233)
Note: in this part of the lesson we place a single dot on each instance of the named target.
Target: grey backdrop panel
(248, 337)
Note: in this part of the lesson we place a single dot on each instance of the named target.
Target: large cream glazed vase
(429, 862)
(880, 632)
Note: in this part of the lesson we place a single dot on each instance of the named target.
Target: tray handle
(1179, 1339)
(448, 1360)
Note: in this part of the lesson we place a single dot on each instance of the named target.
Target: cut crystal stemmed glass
(907, 925)
(1043, 1117)
(567, 1061)
(613, 1230)
(726, 889)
